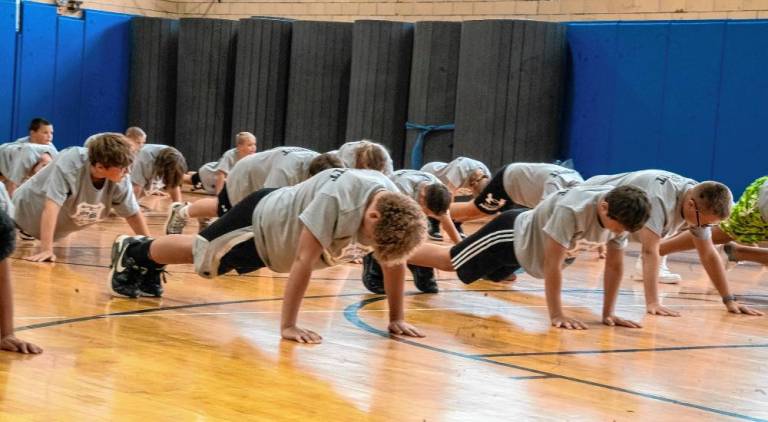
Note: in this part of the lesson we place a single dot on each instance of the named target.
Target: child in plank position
(679, 204)
(8, 341)
(211, 176)
(463, 176)
(158, 167)
(537, 240)
(78, 189)
(434, 199)
(365, 154)
(274, 168)
(22, 160)
(740, 233)
(294, 229)
(40, 132)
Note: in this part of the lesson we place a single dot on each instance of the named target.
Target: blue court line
(351, 314)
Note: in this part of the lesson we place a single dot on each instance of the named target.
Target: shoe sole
(117, 253)
(437, 239)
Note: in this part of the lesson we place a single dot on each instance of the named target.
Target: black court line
(638, 350)
(351, 314)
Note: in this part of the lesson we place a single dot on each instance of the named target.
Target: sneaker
(203, 223)
(373, 278)
(124, 274)
(424, 278)
(175, 222)
(665, 275)
(726, 256)
(151, 285)
(434, 230)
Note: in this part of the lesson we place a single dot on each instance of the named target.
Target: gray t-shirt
(331, 205)
(208, 171)
(762, 200)
(527, 184)
(67, 182)
(5, 202)
(347, 153)
(143, 168)
(17, 159)
(666, 191)
(567, 216)
(409, 181)
(25, 139)
(456, 175)
(274, 168)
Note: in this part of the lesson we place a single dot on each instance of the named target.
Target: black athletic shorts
(242, 257)
(224, 204)
(196, 182)
(488, 253)
(488, 200)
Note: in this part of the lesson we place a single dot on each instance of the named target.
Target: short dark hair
(110, 150)
(629, 206)
(714, 197)
(37, 123)
(324, 161)
(437, 198)
(170, 165)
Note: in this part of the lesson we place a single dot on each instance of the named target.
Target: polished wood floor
(210, 349)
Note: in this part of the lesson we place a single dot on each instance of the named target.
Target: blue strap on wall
(417, 154)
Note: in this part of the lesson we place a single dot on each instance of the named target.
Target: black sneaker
(151, 285)
(434, 230)
(124, 274)
(424, 278)
(373, 278)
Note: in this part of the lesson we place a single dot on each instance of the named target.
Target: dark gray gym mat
(318, 86)
(379, 81)
(432, 102)
(261, 79)
(205, 84)
(152, 99)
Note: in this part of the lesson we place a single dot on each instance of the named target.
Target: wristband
(729, 298)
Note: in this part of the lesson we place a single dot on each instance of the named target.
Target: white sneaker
(665, 275)
(175, 223)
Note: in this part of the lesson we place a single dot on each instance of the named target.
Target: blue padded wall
(686, 96)
(36, 65)
(106, 64)
(7, 67)
(66, 98)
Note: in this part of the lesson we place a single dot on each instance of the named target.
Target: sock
(140, 253)
(184, 212)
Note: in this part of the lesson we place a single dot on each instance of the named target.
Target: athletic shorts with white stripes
(488, 253)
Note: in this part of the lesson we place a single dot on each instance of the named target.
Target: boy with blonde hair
(295, 229)
(78, 189)
(211, 176)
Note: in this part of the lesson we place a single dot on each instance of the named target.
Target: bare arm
(175, 194)
(614, 271)
(716, 272)
(47, 229)
(221, 178)
(650, 252)
(447, 224)
(554, 254)
(8, 340)
(309, 251)
(394, 280)
(138, 224)
(10, 187)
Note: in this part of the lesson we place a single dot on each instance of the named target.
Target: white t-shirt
(274, 168)
(527, 184)
(143, 168)
(567, 216)
(331, 205)
(410, 181)
(456, 175)
(347, 153)
(208, 171)
(17, 159)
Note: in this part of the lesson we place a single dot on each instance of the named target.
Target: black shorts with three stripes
(488, 253)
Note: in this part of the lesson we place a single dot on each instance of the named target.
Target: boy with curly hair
(295, 229)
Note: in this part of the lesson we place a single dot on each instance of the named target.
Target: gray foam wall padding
(379, 81)
(434, 73)
(318, 87)
(510, 91)
(261, 79)
(152, 100)
(205, 85)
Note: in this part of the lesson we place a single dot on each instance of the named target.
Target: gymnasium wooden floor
(210, 349)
